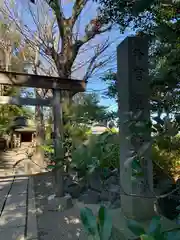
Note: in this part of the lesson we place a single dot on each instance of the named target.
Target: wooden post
(20, 139)
(58, 138)
(57, 84)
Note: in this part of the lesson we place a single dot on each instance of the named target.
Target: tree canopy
(164, 32)
(13, 56)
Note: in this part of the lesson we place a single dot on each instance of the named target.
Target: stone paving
(26, 213)
(16, 161)
(17, 209)
(17, 202)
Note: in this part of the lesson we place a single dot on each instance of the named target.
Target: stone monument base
(137, 208)
(60, 203)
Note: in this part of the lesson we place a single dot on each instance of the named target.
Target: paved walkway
(17, 209)
(16, 161)
(17, 203)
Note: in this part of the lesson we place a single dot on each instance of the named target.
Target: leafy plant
(154, 231)
(73, 135)
(100, 227)
(164, 146)
(53, 162)
(100, 151)
(165, 162)
(97, 227)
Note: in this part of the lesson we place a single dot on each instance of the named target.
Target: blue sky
(95, 84)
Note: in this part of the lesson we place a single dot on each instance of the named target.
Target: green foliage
(166, 145)
(135, 227)
(77, 133)
(13, 53)
(165, 151)
(99, 151)
(165, 127)
(168, 162)
(110, 79)
(85, 109)
(53, 162)
(103, 151)
(7, 113)
(125, 12)
(82, 110)
(89, 221)
(162, 24)
(154, 231)
(135, 14)
(78, 116)
(97, 227)
(100, 227)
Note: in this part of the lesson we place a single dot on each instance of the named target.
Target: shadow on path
(54, 225)
(24, 215)
(13, 207)
(14, 161)
(4, 162)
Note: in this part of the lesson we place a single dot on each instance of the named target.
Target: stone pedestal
(60, 203)
(133, 90)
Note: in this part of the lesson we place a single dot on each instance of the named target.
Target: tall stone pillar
(133, 89)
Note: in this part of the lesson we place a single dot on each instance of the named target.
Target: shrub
(166, 154)
(74, 135)
(100, 227)
(93, 151)
(97, 227)
(77, 133)
(98, 151)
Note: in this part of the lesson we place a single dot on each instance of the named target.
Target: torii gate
(45, 82)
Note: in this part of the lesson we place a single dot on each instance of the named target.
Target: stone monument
(137, 200)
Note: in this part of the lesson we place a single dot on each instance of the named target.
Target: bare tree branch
(89, 36)
(65, 56)
(93, 64)
(56, 5)
(77, 9)
(83, 64)
(28, 35)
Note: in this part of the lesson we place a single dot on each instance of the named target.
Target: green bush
(74, 135)
(98, 151)
(92, 151)
(103, 151)
(168, 161)
(97, 227)
(77, 133)
(100, 227)
(166, 154)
